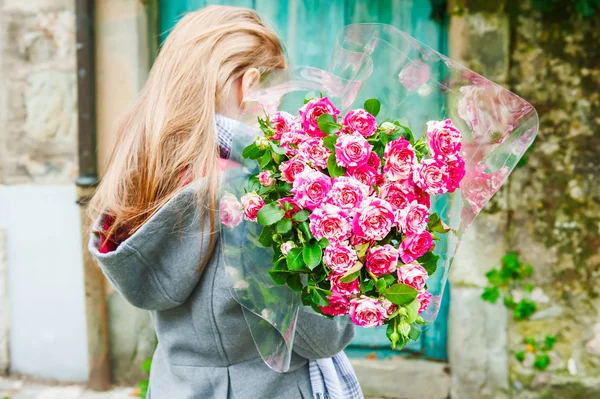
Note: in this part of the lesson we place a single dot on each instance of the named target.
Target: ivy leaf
(401, 294)
(490, 294)
(520, 356)
(334, 169)
(327, 124)
(294, 259)
(270, 214)
(372, 106)
(330, 141)
(301, 216)
(312, 254)
(542, 361)
(549, 341)
(319, 298)
(524, 309)
(429, 262)
(284, 226)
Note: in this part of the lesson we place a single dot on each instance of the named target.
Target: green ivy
(539, 349)
(142, 386)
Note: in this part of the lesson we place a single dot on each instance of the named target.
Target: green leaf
(279, 277)
(312, 254)
(301, 216)
(529, 341)
(270, 214)
(277, 149)
(265, 159)
(319, 297)
(490, 294)
(327, 124)
(401, 294)
(372, 106)
(323, 242)
(366, 285)
(524, 309)
(542, 361)
(294, 259)
(334, 169)
(146, 365)
(508, 301)
(361, 250)
(347, 278)
(412, 311)
(429, 262)
(294, 282)
(305, 229)
(284, 226)
(436, 224)
(520, 356)
(330, 141)
(287, 206)
(266, 237)
(381, 286)
(251, 152)
(549, 341)
(388, 278)
(309, 96)
(414, 332)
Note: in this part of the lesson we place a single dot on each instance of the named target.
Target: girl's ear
(248, 81)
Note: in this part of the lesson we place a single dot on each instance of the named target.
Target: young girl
(156, 236)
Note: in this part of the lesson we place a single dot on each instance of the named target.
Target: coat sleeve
(318, 337)
(157, 268)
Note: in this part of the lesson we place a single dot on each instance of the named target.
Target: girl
(156, 236)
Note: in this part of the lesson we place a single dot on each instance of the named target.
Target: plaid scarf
(332, 378)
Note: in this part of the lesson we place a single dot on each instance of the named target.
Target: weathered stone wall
(38, 83)
(550, 210)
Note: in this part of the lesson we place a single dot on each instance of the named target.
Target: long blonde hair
(170, 129)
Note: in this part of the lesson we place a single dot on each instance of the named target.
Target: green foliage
(312, 254)
(333, 168)
(327, 124)
(270, 214)
(372, 106)
(142, 386)
(401, 294)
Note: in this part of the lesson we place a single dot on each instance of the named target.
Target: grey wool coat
(205, 349)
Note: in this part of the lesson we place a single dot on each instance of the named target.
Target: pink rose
(382, 260)
(400, 159)
(310, 188)
(313, 152)
(252, 203)
(365, 174)
(350, 288)
(338, 305)
(367, 312)
(389, 307)
(478, 186)
(339, 257)
(286, 247)
(291, 141)
(361, 122)
(331, 222)
(456, 171)
(374, 219)
(413, 218)
(432, 176)
(290, 169)
(347, 192)
(295, 207)
(282, 122)
(413, 274)
(352, 150)
(230, 210)
(423, 297)
(374, 161)
(443, 139)
(310, 114)
(414, 75)
(265, 178)
(415, 246)
(397, 194)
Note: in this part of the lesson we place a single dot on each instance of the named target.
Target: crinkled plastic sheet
(413, 82)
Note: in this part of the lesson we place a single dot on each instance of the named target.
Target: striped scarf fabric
(331, 378)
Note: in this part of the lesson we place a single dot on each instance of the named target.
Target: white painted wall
(45, 281)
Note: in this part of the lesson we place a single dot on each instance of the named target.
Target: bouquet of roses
(345, 205)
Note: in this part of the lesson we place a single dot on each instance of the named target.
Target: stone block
(403, 378)
(51, 107)
(132, 339)
(477, 346)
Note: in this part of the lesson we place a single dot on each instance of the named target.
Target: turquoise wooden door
(308, 29)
